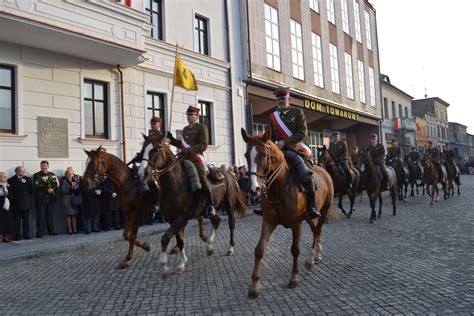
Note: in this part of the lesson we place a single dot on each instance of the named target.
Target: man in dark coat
(377, 152)
(110, 206)
(91, 207)
(338, 149)
(289, 130)
(21, 197)
(193, 144)
(46, 185)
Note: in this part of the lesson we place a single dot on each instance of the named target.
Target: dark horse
(415, 176)
(327, 161)
(371, 180)
(179, 203)
(133, 205)
(432, 179)
(402, 176)
(454, 176)
(283, 202)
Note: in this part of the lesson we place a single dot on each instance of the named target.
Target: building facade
(421, 134)
(398, 122)
(439, 108)
(470, 140)
(458, 138)
(327, 53)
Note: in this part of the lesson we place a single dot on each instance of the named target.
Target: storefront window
(314, 139)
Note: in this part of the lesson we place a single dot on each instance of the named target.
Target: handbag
(76, 200)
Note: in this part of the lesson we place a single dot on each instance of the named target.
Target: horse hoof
(317, 260)
(394, 214)
(379, 216)
(230, 253)
(146, 247)
(343, 211)
(210, 252)
(174, 251)
(372, 221)
(122, 265)
(179, 270)
(254, 293)
(165, 274)
(203, 238)
(308, 265)
(293, 284)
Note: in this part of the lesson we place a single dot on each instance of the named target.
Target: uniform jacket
(395, 152)
(42, 196)
(339, 151)
(377, 152)
(21, 193)
(435, 155)
(196, 136)
(295, 120)
(414, 156)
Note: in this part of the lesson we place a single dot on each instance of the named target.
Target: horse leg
(380, 204)
(406, 189)
(412, 192)
(215, 220)
(316, 249)
(352, 201)
(373, 216)
(178, 224)
(202, 232)
(182, 259)
(339, 204)
(267, 230)
(392, 193)
(231, 219)
(295, 251)
(130, 223)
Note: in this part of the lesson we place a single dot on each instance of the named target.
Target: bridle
(160, 172)
(97, 177)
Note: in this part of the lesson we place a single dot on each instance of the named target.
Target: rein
(268, 180)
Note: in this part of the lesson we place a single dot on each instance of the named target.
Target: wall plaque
(53, 137)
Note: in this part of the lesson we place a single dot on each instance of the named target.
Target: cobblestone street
(421, 261)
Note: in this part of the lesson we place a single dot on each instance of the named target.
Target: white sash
(286, 133)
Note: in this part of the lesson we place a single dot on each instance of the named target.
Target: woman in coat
(70, 188)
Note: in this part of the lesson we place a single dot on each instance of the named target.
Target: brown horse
(432, 179)
(134, 206)
(327, 161)
(283, 202)
(371, 180)
(179, 203)
(454, 176)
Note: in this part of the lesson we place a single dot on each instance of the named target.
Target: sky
(430, 44)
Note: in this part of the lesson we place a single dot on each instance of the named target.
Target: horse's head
(148, 146)
(158, 156)
(262, 155)
(364, 159)
(324, 155)
(97, 164)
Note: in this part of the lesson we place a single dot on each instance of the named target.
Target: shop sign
(331, 110)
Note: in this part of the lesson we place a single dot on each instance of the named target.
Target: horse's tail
(234, 195)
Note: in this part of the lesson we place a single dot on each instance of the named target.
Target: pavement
(420, 262)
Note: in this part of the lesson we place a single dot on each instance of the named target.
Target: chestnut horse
(327, 161)
(454, 176)
(282, 202)
(371, 180)
(178, 203)
(134, 206)
(432, 179)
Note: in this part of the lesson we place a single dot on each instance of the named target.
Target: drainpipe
(226, 16)
(249, 68)
(122, 115)
(380, 84)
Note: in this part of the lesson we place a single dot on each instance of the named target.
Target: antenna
(424, 82)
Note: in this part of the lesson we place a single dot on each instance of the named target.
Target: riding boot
(210, 211)
(312, 212)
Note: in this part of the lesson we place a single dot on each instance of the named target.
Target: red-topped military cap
(192, 110)
(336, 133)
(282, 92)
(155, 119)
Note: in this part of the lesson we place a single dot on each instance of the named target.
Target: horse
(283, 203)
(327, 161)
(453, 176)
(134, 206)
(415, 175)
(371, 180)
(432, 179)
(179, 203)
(402, 176)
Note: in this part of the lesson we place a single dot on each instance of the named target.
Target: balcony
(102, 31)
(406, 123)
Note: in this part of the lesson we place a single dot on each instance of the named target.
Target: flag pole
(172, 89)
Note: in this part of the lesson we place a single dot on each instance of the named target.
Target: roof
(434, 99)
(386, 81)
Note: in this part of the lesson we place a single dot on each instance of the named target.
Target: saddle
(215, 174)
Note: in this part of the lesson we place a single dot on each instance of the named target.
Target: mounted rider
(338, 149)
(193, 144)
(377, 152)
(415, 158)
(395, 152)
(436, 160)
(289, 129)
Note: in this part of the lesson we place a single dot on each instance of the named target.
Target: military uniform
(339, 151)
(377, 152)
(396, 152)
(414, 156)
(436, 160)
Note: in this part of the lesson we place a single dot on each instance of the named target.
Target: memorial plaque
(52, 137)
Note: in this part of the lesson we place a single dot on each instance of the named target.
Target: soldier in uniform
(155, 124)
(430, 147)
(289, 129)
(436, 160)
(338, 149)
(377, 152)
(415, 157)
(193, 144)
(395, 152)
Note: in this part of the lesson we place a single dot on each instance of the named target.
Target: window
(205, 117)
(201, 42)
(367, 30)
(272, 38)
(258, 128)
(314, 5)
(7, 99)
(331, 6)
(360, 69)
(153, 9)
(314, 140)
(345, 16)
(334, 68)
(394, 115)
(317, 60)
(406, 112)
(297, 50)
(349, 76)
(400, 114)
(385, 108)
(155, 106)
(357, 21)
(372, 86)
(95, 109)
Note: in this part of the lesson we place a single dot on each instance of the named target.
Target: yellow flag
(183, 77)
